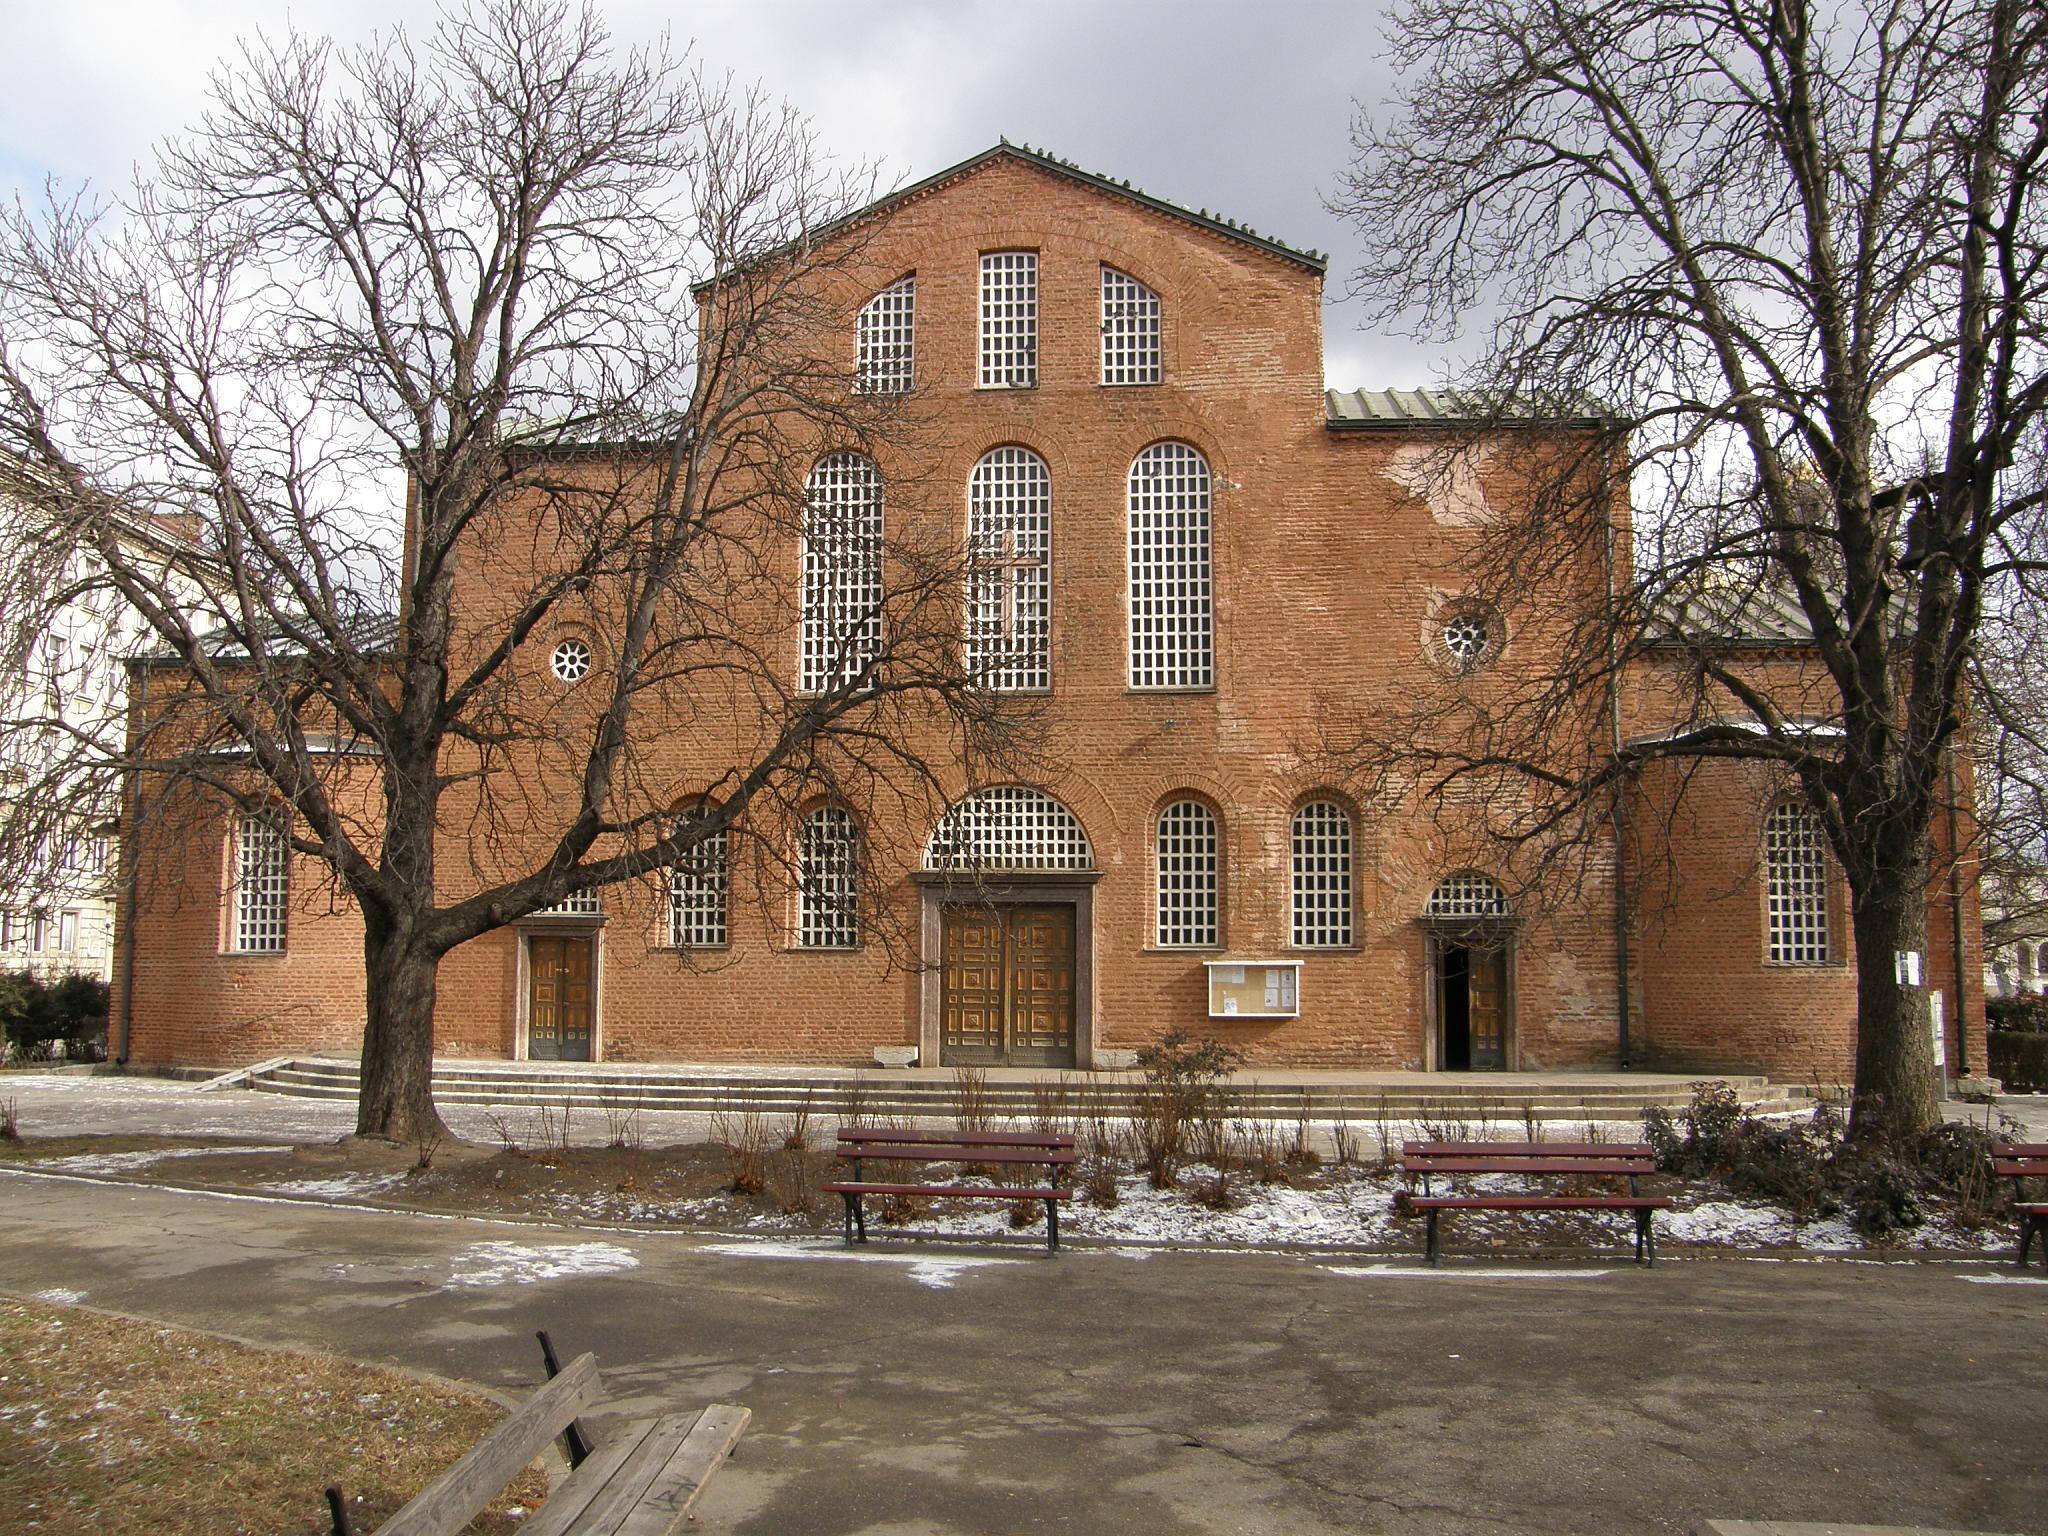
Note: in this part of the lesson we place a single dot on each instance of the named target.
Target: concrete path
(926, 1390)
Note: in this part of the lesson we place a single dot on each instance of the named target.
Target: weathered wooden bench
(1450, 1159)
(1020, 1150)
(2020, 1160)
(643, 1482)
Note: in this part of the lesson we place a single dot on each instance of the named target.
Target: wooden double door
(1009, 985)
(560, 1011)
(1472, 1007)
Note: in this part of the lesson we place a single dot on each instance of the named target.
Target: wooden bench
(1629, 1160)
(642, 1482)
(1021, 1150)
(2020, 1160)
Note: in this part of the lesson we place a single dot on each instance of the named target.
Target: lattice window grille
(1009, 828)
(1796, 879)
(1009, 529)
(1130, 330)
(588, 903)
(1468, 636)
(842, 594)
(697, 896)
(1187, 856)
(1009, 320)
(1170, 584)
(1320, 845)
(886, 340)
(1466, 896)
(828, 880)
(262, 886)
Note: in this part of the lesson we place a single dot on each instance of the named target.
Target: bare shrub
(1182, 1081)
(740, 1132)
(1098, 1183)
(1024, 1213)
(1343, 1140)
(1300, 1154)
(501, 1129)
(796, 1136)
(971, 1113)
(621, 1124)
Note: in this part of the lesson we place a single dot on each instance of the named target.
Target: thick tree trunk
(397, 1098)
(1897, 1091)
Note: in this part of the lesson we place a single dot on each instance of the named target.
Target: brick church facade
(1198, 543)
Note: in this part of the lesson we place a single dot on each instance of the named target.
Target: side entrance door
(1008, 986)
(1471, 1006)
(558, 1011)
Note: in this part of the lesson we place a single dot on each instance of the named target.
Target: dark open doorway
(1471, 1007)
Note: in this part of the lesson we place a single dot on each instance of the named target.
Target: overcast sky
(1241, 108)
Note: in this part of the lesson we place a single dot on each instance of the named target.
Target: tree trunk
(1897, 1092)
(397, 1100)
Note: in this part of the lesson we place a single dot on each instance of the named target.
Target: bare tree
(433, 346)
(1795, 254)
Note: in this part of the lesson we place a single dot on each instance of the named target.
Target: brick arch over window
(1009, 828)
(1172, 621)
(1467, 895)
(1009, 534)
(1795, 887)
(842, 570)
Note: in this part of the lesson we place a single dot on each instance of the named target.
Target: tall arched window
(1186, 850)
(698, 890)
(1130, 330)
(262, 887)
(842, 594)
(1009, 530)
(1171, 625)
(828, 879)
(1796, 886)
(885, 340)
(1320, 849)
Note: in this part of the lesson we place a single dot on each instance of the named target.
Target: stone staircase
(1276, 1094)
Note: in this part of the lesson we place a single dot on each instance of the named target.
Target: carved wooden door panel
(559, 1002)
(971, 951)
(1488, 1004)
(1008, 986)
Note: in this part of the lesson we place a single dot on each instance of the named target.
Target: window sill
(254, 954)
(1183, 949)
(1193, 689)
(1004, 389)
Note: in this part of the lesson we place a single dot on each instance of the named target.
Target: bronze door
(1487, 1008)
(1008, 986)
(558, 1018)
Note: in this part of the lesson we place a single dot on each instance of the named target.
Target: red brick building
(1196, 546)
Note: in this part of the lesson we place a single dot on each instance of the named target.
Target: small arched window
(1186, 851)
(842, 591)
(828, 879)
(885, 340)
(1172, 627)
(262, 886)
(1009, 531)
(1320, 856)
(1130, 330)
(1796, 886)
(1467, 897)
(698, 892)
(1009, 827)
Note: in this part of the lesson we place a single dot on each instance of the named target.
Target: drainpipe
(139, 697)
(1955, 913)
(1615, 808)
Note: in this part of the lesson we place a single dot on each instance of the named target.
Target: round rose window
(571, 661)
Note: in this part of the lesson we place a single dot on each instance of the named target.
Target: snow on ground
(937, 1270)
(343, 1186)
(483, 1264)
(128, 1162)
(58, 1295)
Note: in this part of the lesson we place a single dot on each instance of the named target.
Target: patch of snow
(127, 1162)
(937, 1271)
(1834, 1235)
(59, 1296)
(345, 1186)
(1730, 1222)
(2004, 1279)
(483, 1264)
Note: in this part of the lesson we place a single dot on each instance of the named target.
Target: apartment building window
(828, 880)
(1009, 530)
(1172, 626)
(1320, 848)
(1009, 320)
(842, 571)
(262, 885)
(1186, 851)
(1796, 886)
(67, 933)
(1130, 330)
(885, 340)
(698, 894)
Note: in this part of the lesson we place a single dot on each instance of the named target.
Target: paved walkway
(926, 1390)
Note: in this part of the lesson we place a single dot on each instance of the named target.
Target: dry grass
(110, 1427)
